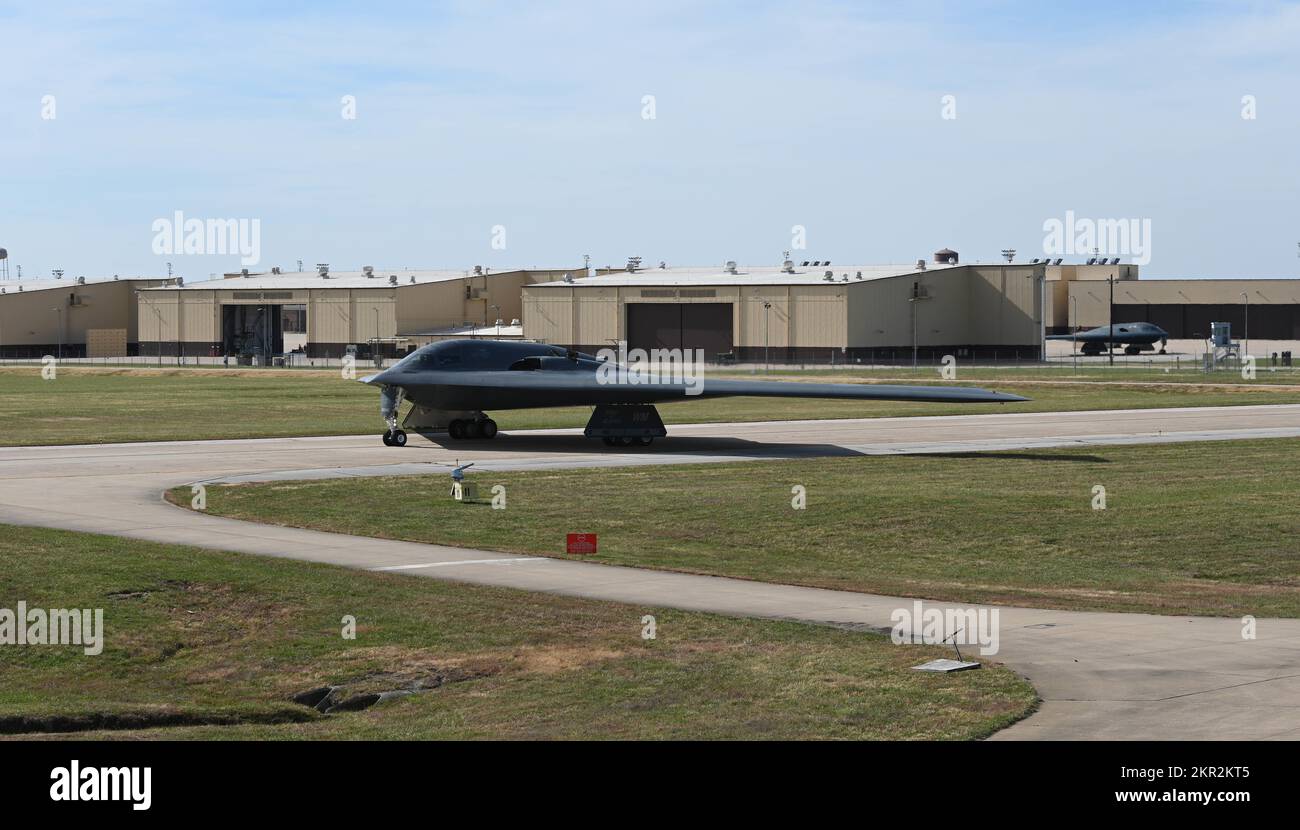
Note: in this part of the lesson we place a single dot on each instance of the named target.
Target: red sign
(580, 543)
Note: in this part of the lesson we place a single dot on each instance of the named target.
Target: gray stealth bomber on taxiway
(450, 385)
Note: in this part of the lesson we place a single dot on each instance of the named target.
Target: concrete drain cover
(945, 665)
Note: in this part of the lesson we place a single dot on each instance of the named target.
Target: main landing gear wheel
(395, 438)
(388, 438)
(462, 428)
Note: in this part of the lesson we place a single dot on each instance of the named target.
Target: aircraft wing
(584, 388)
(852, 391)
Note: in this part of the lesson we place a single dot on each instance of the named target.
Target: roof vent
(788, 266)
(323, 269)
(413, 279)
(829, 276)
(859, 275)
(368, 270)
(663, 266)
(515, 322)
(243, 272)
(920, 265)
(568, 278)
(730, 266)
(392, 279)
(275, 269)
(81, 280)
(633, 264)
(478, 270)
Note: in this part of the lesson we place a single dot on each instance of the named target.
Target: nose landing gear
(394, 438)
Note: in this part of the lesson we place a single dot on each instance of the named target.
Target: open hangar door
(706, 326)
(252, 330)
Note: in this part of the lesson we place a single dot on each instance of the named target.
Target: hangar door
(704, 326)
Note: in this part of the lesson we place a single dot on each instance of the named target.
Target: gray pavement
(1101, 675)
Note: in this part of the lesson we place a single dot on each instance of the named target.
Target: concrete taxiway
(1101, 675)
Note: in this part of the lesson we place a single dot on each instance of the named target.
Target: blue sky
(529, 116)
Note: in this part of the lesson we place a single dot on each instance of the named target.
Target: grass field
(1198, 528)
(214, 645)
(111, 405)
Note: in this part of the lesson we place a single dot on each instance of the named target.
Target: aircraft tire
(388, 438)
(473, 429)
(456, 429)
(608, 441)
(488, 428)
(645, 440)
(399, 438)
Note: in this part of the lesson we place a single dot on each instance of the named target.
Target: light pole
(1040, 283)
(766, 362)
(59, 326)
(1110, 326)
(158, 314)
(917, 295)
(1246, 298)
(1074, 327)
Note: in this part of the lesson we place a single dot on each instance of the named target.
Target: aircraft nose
(380, 379)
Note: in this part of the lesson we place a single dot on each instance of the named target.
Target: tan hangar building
(323, 313)
(1263, 309)
(71, 316)
(815, 311)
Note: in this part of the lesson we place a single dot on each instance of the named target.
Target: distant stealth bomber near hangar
(451, 383)
(1134, 337)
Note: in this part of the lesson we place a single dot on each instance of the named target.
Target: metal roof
(300, 280)
(748, 275)
(67, 283)
(503, 330)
